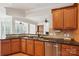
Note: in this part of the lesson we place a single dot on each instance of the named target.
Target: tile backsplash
(58, 33)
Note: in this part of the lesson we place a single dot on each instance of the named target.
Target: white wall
(15, 12)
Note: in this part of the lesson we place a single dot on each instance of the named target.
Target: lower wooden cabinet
(30, 46)
(15, 45)
(65, 50)
(69, 50)
(24, 45)
(0, 47)
(5, 47)
(39, 48)
(77, 50)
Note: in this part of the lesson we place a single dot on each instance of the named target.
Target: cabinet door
(0, 47)
(39, 48)
(57, 19)
(77, 50)
(15, 45)
(30, 46)
(73, 51)
(65, 50)
(23, 45)
(5, 47)
(70, 18)
(69, 50)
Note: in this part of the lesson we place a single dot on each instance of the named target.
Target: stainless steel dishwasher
(52, 49)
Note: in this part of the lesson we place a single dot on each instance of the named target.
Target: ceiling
(36, 12)
(30, 6)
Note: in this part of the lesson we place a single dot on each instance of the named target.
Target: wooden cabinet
(0, 47)
(65, 18)
(65, 50)
(70, 17)
(68, 50)
(57, 19)
(24, 45)
(15, 45)
(30, 46)
(39, 48)
(5, 47)
(77, 50)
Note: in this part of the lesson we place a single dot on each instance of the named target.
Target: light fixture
(46, 20)
(20, 22)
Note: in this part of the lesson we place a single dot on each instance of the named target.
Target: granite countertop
(56, 40)
(61, 41)
(11, 38)
(51, 40)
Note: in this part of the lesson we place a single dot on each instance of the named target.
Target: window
(5, 26)
(18, 27)
(21, 27)
(25, 28)
(32, 29)
(0, 29)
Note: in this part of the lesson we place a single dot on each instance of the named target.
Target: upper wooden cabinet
(65, 18)
(58, 19)
(70, 17)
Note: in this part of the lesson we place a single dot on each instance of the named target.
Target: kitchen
(39, 29)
